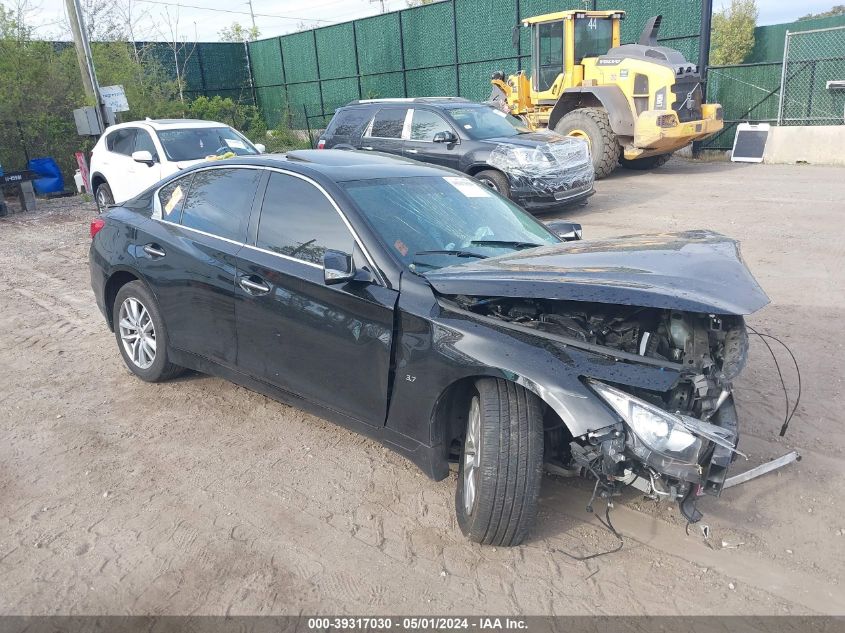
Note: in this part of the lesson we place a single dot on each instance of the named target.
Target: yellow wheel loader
(634, 103)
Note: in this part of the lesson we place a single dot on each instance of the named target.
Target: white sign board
(115, 98)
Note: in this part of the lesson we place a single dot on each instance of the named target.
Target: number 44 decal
(592, 24)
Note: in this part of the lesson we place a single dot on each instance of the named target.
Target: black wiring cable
(606, 522)
(789, 413)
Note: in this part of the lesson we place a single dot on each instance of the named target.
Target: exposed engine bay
(671, 445)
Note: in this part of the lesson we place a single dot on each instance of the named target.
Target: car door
(118, 166)
(328, 344)
(384, 134)
(187, 252)
(420, 144)
(145, 175)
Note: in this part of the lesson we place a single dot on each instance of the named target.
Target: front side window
(483, 122)
(297, 220)
(549, 58)
(433, 221)
(425, 124)
(122, 141)
(220, 201)
(200, 143)
(593, 37)
(144, 142)
(388, 123)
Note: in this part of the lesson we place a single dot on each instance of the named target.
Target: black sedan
(410, 303)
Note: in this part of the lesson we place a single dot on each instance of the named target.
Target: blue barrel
(49, 175)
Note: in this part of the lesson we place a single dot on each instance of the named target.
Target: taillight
(321, 144)
(96, 225)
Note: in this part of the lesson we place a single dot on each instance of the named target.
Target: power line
(261, 15)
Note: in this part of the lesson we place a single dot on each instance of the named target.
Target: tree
(838, 9)
(419, 3)
(238, 33)
(733, 33)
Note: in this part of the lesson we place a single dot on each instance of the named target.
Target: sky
(203, 19)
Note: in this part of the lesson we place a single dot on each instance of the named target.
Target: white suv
(130, 157)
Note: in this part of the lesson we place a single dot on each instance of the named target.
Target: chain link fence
(813, 78)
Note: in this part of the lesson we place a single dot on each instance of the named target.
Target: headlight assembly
(654, 430)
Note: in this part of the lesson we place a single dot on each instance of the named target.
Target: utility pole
(86, 61)
(252, 15)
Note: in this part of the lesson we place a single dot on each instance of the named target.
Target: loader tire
(593, 124)
(501, 463)
(643, 164)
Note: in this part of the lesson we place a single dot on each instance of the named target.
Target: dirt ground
(200, 497)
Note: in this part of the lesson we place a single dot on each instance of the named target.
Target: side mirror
(143, 156)
(339, 268)
(445, 137)
(567, 231)
(260, 147)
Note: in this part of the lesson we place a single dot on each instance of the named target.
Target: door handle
(154, 250)
(253, 287)
(413, 151)
(368, 148)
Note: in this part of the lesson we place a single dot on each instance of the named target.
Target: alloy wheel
(472, 455)
(137, 333)
(489, 183)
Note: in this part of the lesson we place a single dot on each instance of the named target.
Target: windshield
(199, 143)
(434, 221)
(483, 123)
(593, 37)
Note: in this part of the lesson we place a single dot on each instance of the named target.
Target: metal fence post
(402, 57)
(783, 78)
(357, 63)
(308, 125)
(455, 39)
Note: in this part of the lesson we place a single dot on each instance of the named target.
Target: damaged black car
(414, 305)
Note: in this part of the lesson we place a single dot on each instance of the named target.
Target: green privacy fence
(441, 49)
(206, 68)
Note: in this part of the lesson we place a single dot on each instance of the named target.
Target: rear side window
(298, 220)
(388, 123)
(220, 201)
(172, 197)
(349, 122)
(121, 141)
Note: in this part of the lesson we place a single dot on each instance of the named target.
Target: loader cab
(561, 41)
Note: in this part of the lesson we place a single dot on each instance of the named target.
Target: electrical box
(87, 123)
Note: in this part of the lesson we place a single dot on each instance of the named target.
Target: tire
(651, 162)
(104, 197)
(496, 180)
(501, 464)
(595, 125)
(153, 367)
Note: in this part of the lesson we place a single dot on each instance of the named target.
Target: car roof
(432, 101)
(167, 124)
(340, 165)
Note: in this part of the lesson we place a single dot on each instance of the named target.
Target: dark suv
(534, 169)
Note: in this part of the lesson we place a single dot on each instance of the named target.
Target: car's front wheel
(104, 197)
(496, 180)
(141, 334)
(501, 463)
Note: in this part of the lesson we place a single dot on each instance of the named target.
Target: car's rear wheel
(501, 463)
(141, 334)
(496, 180)
(104, 197)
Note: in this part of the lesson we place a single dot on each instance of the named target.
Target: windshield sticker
(175, 198)
(467, 187)
(467, 126)
(399, 245)
(235, 143)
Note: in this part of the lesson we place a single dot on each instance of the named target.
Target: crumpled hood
(695, 271)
